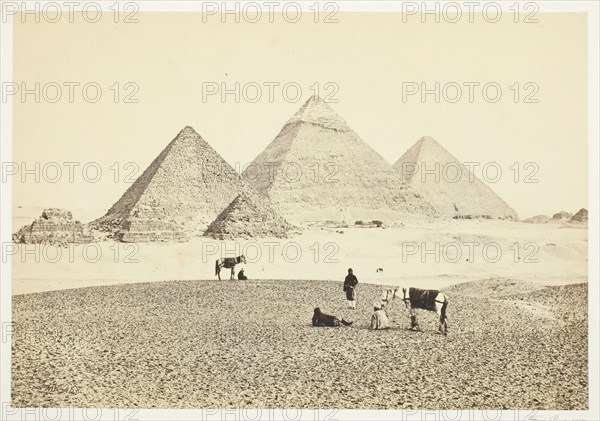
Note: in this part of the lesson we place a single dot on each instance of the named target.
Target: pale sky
(368, 56)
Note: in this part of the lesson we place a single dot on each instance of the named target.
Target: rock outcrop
(562, 216)
(580, 216)
(538, 219)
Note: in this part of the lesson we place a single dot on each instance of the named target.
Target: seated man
(379, 319)
(241, 276)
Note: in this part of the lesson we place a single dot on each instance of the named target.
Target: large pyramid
(178, 195)
(318, 169)
(447, 183)
(248, 217)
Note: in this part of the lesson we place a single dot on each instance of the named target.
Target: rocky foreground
(250, 344)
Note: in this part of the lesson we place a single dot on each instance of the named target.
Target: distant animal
(379, 270)
(425, 299)
(321, 319)
(228, 263)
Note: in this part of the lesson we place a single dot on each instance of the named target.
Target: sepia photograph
(310, 210)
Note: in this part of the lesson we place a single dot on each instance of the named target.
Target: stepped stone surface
(318, 165)
(580, 216)
(54, 226)
(450, 187)
(248, 217)
(178, 195)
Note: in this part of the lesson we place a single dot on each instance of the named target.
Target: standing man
(349, 286)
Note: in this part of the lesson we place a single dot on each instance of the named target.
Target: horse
(425, 299)
(228, 263)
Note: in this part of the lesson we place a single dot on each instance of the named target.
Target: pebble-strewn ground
(229, 344)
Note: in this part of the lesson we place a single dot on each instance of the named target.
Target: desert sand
(551, 254)
(185, 344)
(147, 325)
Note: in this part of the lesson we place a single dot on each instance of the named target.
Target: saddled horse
(228, 263)
(425, 299)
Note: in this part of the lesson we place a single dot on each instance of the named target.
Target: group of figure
(413, 298)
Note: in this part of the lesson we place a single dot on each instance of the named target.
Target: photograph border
(592, 9)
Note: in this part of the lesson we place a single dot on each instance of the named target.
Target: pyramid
(318, 169)
(178, 195)
(54, 226)
(451, 188)
(248, 217)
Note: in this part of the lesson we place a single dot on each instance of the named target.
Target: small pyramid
(178, 195)
(55, 226)
(319, 169)
(248, 217)
(447, 183)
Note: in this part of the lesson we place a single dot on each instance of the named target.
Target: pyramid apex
(314, 99)
(188, 130)
(189, 135)
(427, 139)
(426, 143)
(316, 111)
